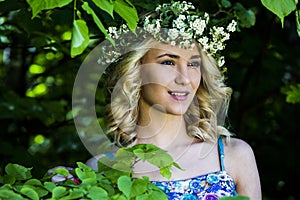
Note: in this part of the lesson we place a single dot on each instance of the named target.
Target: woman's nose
(182, 75)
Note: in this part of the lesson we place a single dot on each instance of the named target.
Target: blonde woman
(169, 90)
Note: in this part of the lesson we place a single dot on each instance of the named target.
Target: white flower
(173, 33)
(232, 26)
(204, 42)
(221, 61)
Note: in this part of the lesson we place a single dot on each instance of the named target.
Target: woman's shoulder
(238, 148)
(239, 157)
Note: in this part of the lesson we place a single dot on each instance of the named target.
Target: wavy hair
(204, 118)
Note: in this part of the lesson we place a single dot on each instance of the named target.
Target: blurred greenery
(37, 74)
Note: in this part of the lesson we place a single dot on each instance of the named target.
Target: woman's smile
(179, 96)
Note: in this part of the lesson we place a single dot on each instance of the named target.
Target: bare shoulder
(238, 148)
(240, 162)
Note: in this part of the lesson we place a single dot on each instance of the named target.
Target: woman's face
(170, 78)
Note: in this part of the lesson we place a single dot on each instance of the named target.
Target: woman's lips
(179, 96)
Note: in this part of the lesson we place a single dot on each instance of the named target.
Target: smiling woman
(170, 92)
(173, 75)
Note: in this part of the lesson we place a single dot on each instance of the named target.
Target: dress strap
(221, 153)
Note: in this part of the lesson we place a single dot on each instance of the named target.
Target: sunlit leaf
(293, 94)
(62, 171)
(87, 8)
(280, 8)
(105, 5)
(298, 21)
(58, 191)
(8, 194)
(49, 186)
(38, 5)
(18, 171)
(127, 12)
(124, 185)
(29, 192)
(80, 37)
(96, 193)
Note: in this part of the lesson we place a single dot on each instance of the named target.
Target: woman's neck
(161, 129)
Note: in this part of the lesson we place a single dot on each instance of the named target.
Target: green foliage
(116, 184)
(80, 33)
(106, 183)
(37, 6)
(282, 9)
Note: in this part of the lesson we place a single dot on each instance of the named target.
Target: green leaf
(37, 5)
(18, 171)
(37, 187)
(58, 192)
(62, 171)
(118, 197)
(139, 186)
(293, 94)
(247, 19)
(105, 5)
(29, 192)
(144, 197)
(165, 172)
(7, 179)
(124, 185)
(127, 12)
(34, 182)
(225, 3)
(158, 194)
(84, 172)
(87, 8)
(49, 186)
(80, 37)
(280, 8)
(8, 195)
(97, 193)
(76, 193)
(297, 13)
(89, 181)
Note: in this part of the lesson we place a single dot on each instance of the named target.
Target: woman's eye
(168, 62)
(194, 64)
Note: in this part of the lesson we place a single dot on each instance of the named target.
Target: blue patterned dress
(210, 186)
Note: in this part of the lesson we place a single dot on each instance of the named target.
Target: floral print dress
(210, 186)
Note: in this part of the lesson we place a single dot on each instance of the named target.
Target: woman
(169, 91)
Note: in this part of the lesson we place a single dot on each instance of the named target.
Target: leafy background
(39, 62)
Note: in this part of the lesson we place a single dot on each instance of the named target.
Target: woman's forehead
(174, 50)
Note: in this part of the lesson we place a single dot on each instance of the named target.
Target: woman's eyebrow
(169, 55)
(195, 56)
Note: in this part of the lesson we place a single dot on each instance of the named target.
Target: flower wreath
(175, 23)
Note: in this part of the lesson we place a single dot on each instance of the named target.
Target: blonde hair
(204, 118)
